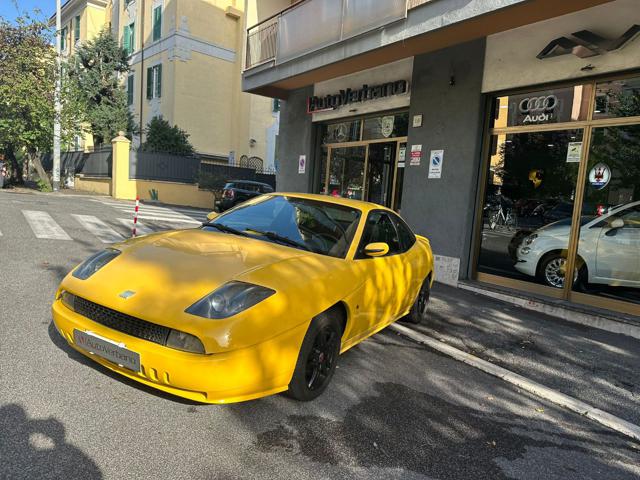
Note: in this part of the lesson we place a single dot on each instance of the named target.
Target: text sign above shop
(348, 96)
(551, 106)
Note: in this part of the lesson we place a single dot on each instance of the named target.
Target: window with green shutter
(130, 90)
(125, 40)
(157, 22)
(149, 83)
(128, 39)
(158, 79)
(154, 81)
(63, 39)
(76, 29)
(132, 37)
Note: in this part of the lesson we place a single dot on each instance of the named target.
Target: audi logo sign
(538, 104)
(538, 109)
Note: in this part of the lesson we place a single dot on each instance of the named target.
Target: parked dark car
(237, 191)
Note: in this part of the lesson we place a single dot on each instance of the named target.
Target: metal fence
(209, 174)
(162, 166)
(90, 164)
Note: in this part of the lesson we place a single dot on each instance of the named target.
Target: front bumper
(263, 369)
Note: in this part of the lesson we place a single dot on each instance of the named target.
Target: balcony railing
(311, 25)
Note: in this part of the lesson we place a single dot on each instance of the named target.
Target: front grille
(121, 322)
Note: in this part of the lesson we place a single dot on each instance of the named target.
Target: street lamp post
(57, 106)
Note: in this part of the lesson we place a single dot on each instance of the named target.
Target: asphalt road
(394, 409)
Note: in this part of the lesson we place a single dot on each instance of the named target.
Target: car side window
(379, 228)
(406, 236)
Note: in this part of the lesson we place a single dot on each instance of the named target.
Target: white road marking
(160, 213)
(582, 408)
(104, 232)
(140, 228)
(44, 226)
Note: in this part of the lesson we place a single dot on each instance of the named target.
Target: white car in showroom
(608, 250)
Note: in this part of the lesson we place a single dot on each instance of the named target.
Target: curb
(610, 421)
(589, 319)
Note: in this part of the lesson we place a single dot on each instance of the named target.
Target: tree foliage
(162, 137)
(95, 82)
(27, 80)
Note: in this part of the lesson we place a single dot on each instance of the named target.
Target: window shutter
(149, 82)
(130, 90)
(125, 40)
(63, 39)
(76, 32)
(158, 80)
(157, 23)
(132, 37)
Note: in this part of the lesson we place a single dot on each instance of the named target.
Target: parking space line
(44, 226)
(97, 227)
(611, 421)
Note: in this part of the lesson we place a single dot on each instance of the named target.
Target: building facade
(506, 131)
(186, 60)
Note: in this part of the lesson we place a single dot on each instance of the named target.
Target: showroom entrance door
(367, 171)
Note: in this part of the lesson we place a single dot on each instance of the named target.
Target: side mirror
(212, 215)
(377, 249)
(614, 226)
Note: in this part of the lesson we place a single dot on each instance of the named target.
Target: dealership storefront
(518, 154)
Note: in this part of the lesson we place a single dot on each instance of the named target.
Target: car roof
(358, 204)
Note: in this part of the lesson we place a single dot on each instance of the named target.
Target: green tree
(95, 73)
(162, 137)
(27, 79)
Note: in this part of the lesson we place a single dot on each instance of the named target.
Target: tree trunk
(37, 164)
(16, 168)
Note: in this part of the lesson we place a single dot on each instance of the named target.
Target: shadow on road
(31, 448)
(398, 427)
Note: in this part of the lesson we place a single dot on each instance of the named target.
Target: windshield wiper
(223, 228)
(279, 238)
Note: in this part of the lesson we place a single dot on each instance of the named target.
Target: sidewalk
(597, 367)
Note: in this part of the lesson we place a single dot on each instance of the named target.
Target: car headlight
(68, 300)
(230, 299)
(529, 240)
(94, 263)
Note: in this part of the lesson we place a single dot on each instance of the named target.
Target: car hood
(170, 271)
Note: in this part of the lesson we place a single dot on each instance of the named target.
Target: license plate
(107, 349)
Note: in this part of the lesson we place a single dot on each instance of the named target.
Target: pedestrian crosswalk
(72, 226)
(44, 226)
(104, 232)
(163, 214)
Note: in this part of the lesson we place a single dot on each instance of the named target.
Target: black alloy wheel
(317, 359)
(419, 309)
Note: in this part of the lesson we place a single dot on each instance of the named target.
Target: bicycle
(503, 218)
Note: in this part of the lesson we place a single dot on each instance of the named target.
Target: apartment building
(186, 60)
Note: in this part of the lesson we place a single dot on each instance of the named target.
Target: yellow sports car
(260, 299)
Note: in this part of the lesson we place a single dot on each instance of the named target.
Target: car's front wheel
(552, 271)
(418, 311)
(317, 358)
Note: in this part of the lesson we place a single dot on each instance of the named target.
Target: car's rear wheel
(317, 358)
(419, 309)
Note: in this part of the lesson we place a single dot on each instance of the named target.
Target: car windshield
(317, 226)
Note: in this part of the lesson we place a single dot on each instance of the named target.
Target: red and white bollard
(135, 215)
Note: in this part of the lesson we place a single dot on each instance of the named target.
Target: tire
(317, 358)
(418, 312)
(549, 275)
